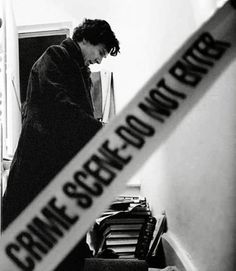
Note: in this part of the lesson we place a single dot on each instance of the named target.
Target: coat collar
(74, 50)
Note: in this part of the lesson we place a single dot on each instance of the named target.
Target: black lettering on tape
(139, 126)
(195, 67)
(192, 54)
(30, 244)
(193, 57)
(96, 188)
(133, 134)
(115, 153)
(71, 190)
(25, 264)
(61, 212)
(101, 168)
(40, 235)
(163, 101)
(160, 101)
(51, 225)
(162, 86)
(130, 137)
(189, 70)
(154, 109)
(209, 47)
(185, 73)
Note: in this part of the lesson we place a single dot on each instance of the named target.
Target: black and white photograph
(117, 135)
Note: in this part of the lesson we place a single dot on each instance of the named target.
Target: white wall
(192, 177)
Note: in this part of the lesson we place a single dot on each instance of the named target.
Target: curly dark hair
(97, 31)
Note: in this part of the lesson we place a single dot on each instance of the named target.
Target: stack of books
(126, 228)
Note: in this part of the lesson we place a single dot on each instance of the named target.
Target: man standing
(57, 118)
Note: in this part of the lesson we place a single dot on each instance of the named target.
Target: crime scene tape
(58, 218)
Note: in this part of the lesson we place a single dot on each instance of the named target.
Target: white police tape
(56, 220)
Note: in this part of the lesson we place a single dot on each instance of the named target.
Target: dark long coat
(57, 122)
